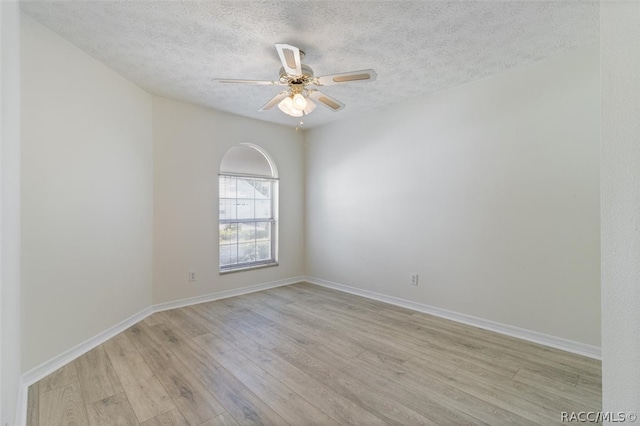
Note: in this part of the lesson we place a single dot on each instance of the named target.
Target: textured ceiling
(174, 49)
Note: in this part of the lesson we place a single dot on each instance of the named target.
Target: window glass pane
(245, 188)
(227, 187)
(257, 188)
(263, 231)
(246, 232)
(228, 233)
(243, 241)
(263, 189)
(245, 208)
(227, 209)
(246, 252)
(263, 250)
(225, 256)
(228, 254)
(263, 209)
(268, 190)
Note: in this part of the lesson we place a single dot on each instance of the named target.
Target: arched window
(248, 181)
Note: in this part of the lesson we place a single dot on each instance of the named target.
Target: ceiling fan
(298, 99)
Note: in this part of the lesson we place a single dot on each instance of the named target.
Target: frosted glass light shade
(286, 106)
(310, 107)
(299, 102)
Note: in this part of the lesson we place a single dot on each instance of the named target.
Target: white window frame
(273, 261)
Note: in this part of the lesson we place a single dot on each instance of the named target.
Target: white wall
(189, 143)
(489, 191)
(10, 329)
(620, 175)
(87, 196)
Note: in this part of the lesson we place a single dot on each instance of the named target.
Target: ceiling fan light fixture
(310, 107)
(298, 99)
(286, 106)
(299, 102)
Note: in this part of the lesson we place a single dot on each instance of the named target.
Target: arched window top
(248, 212)
(247, 159)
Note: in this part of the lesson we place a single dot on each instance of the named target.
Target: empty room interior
(320, 212)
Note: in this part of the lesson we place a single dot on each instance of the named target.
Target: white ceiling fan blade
(259, 82)
(290, 58)
(332, 103)
(274, 101)
(346, 77)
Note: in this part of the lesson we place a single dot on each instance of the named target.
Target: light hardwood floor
(307, 355)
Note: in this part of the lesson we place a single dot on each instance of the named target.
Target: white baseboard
(509, 330)
(225, 294)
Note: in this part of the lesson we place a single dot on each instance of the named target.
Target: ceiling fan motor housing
(305, 78)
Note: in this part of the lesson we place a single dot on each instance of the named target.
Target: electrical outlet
(192, 276)
(413, 279)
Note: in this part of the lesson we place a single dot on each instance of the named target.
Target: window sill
(248, 268)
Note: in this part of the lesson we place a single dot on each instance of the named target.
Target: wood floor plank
(170, 418)
(62, 405)
(415, 345)
(495, 398)
(112, 411)
(96, 375)
(297, 353)
(155, 318)
(389, 410)
(288, 404)
(371, 327)
(245, 322)
(330, 402)
(145, 393)
(428, 402)
(33, 405)
(589, 384)
(188, 327)
(555, 387)
(341, 329)
(228, 311)
(479, 378)
(299, 330)
(60, 378)
(191, 397)
(274, 297)
(271, 299)
(437, 390)
(455, 332)
(224, 419)
(238, 400)
(333, 328)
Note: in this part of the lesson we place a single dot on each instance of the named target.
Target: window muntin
(247, 221)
